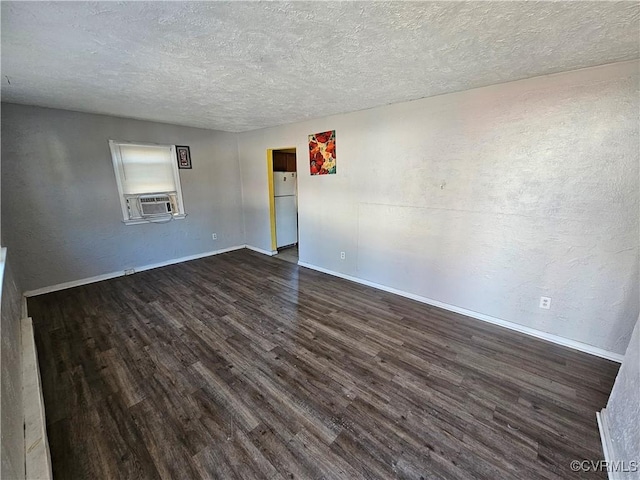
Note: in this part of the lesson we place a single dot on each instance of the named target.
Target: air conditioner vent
(154, 205)
(164, 198)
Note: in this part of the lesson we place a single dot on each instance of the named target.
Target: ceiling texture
(239, 66)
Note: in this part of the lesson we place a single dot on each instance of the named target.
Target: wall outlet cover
(545, 302)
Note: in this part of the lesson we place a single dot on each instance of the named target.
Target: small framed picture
(184, 156)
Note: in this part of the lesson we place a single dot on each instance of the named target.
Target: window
(148, 182)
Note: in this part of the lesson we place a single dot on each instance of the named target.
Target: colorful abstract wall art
(322, 153)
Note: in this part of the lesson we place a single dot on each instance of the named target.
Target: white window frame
(119, 172)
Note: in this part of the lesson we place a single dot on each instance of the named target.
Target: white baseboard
(25, 311)
(36, 445)
(3, 262)
(605, 438)
(73, 283)
(107, 276)
(187, 258)
(565, 342)
(260, 250)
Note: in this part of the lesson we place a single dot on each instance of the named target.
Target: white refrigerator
(284, 192)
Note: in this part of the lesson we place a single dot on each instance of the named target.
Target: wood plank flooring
(243, 366)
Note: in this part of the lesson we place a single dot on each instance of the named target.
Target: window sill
(140, 221)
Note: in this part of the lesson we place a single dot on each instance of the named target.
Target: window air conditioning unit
(155, 205)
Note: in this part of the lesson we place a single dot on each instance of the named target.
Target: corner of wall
(619, 422)
(25, 449)
(244, 224)
(37, 455)
(11, 394)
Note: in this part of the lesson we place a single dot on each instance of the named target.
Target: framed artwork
(322, 153)
(184, 156)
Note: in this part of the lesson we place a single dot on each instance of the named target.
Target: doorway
(283, 202)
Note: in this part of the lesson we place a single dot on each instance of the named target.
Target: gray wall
(61, 217)
(623, 408)
(485, 199)
(11, 394)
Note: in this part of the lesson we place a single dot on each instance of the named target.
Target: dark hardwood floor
(243, 366)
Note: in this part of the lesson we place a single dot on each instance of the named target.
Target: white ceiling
(239, 66)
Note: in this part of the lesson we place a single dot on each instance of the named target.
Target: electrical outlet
(545, 302)
(129, 271)
(343, 255)
(214, 236)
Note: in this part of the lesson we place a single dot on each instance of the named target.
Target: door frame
(272, 202)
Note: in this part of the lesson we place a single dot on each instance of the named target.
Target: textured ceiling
(239, 66)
